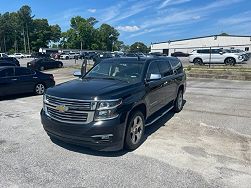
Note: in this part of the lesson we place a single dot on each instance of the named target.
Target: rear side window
(176, 65)
(7, 72)
(165, 68)
(203, 51)
(22, 72)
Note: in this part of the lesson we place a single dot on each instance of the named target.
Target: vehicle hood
(89, 89)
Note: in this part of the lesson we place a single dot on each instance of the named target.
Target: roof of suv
(139, 59)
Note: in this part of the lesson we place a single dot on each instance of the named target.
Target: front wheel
(39, 89)
(178, 104)
(135, 131)
(60, 65)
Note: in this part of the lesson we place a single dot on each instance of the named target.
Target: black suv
(109, 107)
(12, 60)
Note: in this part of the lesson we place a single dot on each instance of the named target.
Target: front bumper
(103, 135)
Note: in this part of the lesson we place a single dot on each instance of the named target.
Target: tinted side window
(176, 64)
(7, 72)
(22, 72)
(152, 69)
(203, 51)
(216, 51)
(165, 68)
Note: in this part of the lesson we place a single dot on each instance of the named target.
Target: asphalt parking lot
(208, 144)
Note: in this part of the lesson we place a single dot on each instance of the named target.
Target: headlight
(109, 104)
(107, 109)
(240, 57)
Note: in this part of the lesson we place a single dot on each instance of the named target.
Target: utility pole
(24, 41)
(28, 40)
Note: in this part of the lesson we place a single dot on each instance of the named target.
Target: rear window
(176, 65)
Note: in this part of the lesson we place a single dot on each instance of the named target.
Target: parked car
(179, 54)
(17, 55)
(17, 80)
(239, 52)
(40, 55)
(109, 107)
(3, 55)
(44, 63)
(6, 63)
(157, 54)
(10, 60)
(217, 55)
(71, 55)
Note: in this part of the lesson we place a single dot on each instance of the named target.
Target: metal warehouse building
(187, 45)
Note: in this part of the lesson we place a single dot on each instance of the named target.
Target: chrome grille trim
(79, 111)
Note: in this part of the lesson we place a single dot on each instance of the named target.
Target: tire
(67, 57)
(230, 61)
(136, 124)
(41, 68)
(198, 61)
(39, 89)
(60, 65)
(178, 103)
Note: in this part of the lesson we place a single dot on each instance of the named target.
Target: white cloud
(171, 2)
(128, 28)
(92, 10)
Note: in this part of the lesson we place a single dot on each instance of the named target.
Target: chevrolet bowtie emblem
(62, 108)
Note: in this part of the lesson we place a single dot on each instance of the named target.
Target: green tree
(25, 20)
(139, 47)
(43, 33)
(108, 35)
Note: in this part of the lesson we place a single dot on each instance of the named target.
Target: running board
(156, 119)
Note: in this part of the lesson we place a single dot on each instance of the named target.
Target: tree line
(21, 32)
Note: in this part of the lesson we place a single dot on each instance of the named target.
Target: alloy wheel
(136, 130)
(40, 89)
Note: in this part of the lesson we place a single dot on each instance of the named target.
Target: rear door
(204, 54)
(8, 84)
(153, 88)
(26, 79)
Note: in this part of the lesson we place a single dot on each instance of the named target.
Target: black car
(10, 60)
(17, 80)
(40, 55)
(44, 63)
(6, 63)
(109, 107)
(179, 54)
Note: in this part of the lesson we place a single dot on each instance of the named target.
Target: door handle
(35, 77)
(14, 79)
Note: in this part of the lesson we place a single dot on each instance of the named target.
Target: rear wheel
(178, 104)
(198, 61)
(135, 131)
(40, 89)
(230, 61)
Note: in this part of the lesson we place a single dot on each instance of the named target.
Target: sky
(147, 21)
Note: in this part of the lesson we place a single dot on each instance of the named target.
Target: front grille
(69, 110)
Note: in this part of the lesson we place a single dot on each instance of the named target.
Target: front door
(153, 89)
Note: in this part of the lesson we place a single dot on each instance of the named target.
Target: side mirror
(221, 53)
(77, 74)
(154, 77)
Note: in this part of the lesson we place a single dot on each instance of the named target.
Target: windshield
(125, 71)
